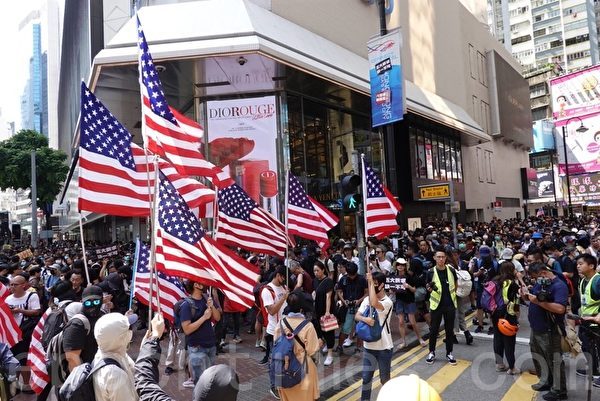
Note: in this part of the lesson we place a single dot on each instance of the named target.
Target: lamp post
(581, 129)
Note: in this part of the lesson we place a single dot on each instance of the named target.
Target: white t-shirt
(386, 341)
(34, 303)
(267, 300)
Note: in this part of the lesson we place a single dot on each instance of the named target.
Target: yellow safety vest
(589, 306)
(436, 296)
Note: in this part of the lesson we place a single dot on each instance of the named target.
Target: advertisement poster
(545, 183)
(385, 74)
(242, 134)
(576, 94)
(584, 188)
(543, 135)
(583, 148)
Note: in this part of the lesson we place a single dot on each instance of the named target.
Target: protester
(308, 388)
(376, 354)
(405, 301)
(112, 382)
(324, 303)
(351, 290)
(504, 345)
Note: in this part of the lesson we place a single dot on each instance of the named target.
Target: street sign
(454, 206)
(497, 206)
(431, 192)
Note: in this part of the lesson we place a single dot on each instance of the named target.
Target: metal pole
(382, 23)
(453, 214)
(34, 228)
(360, 227)
(564, 137)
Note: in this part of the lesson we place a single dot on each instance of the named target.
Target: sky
(15, 50)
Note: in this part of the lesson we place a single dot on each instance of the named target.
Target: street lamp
(580, 129)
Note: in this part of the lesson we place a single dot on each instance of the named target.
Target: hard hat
(507, 328)
(411, 387)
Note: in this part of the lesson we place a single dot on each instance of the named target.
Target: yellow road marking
(521, 389)
(447, 375)
(422, 352)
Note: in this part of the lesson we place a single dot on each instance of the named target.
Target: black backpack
(56, 363)
(55, 322)
(79, 386)
(177, 310)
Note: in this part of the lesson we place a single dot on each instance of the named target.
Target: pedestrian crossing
(441, 376)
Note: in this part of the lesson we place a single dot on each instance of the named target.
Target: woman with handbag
(374, 312)
(324, 320)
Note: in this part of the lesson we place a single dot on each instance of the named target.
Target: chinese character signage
(585, 187)
(387, 84)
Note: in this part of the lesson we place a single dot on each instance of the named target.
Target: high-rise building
(542, 32)
(34, 101)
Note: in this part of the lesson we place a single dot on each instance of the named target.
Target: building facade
(467, 117)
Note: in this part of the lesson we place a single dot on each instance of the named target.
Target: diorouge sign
(385, 73)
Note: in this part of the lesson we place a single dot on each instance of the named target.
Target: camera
(544, 294)
(242, 60)
(372, 257)
(433, 286)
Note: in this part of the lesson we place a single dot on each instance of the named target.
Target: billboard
(583, 148)
(385, 73)
(543, 135)
(545, 183)
(576, 94)
(584, 188)
(243, 141)
(529, 183)
(509, 98)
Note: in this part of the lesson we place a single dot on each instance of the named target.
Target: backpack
(492, 298)
(56, 363)
(285, 367)
(263, 310)
(464, 285)
(79, 386)
(55, 322)
(177, 311)
(491, 273)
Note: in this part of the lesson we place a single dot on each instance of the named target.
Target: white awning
(216, 27)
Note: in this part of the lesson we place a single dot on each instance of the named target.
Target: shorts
(349, 322)
(405, 308)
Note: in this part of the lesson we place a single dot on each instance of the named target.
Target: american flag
(170, 288)
(306, 217)
(112, 170)
(36, 359)
(381, 207)
(10, 333)
(183, 249)
(241, 222)
(178, 140)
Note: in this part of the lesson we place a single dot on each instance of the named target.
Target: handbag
(371, 333)
(329, 323)
(28, 323)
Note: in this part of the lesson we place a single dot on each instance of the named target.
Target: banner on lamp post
(388, 104)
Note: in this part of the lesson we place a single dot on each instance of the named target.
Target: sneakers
(513, 372)
(501, 368)
(348, 342)
(169, 370)
(468, 337)
(451, 360)
(274, 392)
(222, 343)
(479, 329)
(328, 361)
(554, 395)
(541, 386)
(430, 358)
(324, 350)
(339, 350)
(236, 340)
(490, 331)
(263, 344)
(263, 361)
(189, 383)
(257, 344)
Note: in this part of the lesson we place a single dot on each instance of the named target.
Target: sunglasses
(94, 302)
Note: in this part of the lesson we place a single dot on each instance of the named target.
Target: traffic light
(351, 199)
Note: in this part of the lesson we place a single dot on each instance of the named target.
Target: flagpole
(215, 212)
(364, 211)
(87, 273)
(135, 264)
(287, 248)
(154, 214)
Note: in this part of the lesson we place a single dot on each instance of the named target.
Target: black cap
(91, 292)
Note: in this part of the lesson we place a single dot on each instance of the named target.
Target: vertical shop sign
(385, 72)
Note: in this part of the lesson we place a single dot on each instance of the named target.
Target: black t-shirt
(75, 338)
(569, 266)
(407, 296)
(416, 267)
(353, 289)
(322, 287)
(446, 301)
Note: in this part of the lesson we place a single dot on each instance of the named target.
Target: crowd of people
(323, 302)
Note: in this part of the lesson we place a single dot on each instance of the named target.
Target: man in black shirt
(80, 345)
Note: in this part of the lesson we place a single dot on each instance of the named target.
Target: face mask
(462, 247)
(94, 309)
(497, 238)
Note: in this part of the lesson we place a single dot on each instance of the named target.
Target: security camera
(242, 60)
